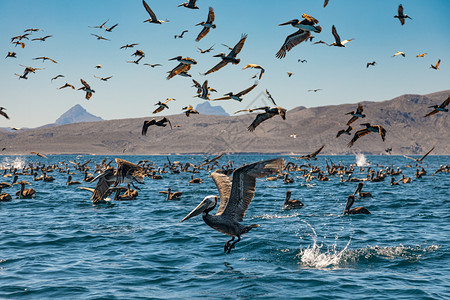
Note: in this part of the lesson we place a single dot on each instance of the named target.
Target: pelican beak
(217, 55)
(198, 210)
(318, 29)
(286, 23)
(358, 188)
(175, 58)
(198, 24)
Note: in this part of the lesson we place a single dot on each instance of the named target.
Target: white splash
(361, 160)
(18, 163)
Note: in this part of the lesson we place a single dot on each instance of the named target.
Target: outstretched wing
(242, 93)
(244, 183)
(357, 135)
(318, 151)
(146, 125)
(238, 47)
(445, 103)
(85, 83)
(336, 35)
(426, 154)
(179, 69)
(202, 33)
(270, 97)
(291, 41)
(259, 119)
(353, 119)
(431, 113)
(102, 186)
(149, 10)
(223, 184)
(217, 67)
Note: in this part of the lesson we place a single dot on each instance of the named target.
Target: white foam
(18, 163)
(361, 160)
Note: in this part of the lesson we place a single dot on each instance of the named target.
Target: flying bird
(152, 66)
(369, 128)
(44, 58)
(320, 42)
(56, 77)
(337, 39)
(290, 74)
(103, 78)
(87, 89)
(190, 4)
(111, 28)
(237, 96)
(128, 46)
(188, 110)
(438, 108)
(312, 155)
(207, 25)
(325, 3)
(139, 53)
(346, 131)
(419, 160)
(204, 93)
(99, 37)
(436, 66)
(38, 154)
(356, 114)
(236, 195)
(135, 61)
(400, 16)
(67, 85)
(230, 58)
(3, 113)
(421, 55)
(180, 36)
(183, 66)
(162, 105)
(207, 50)
(371, 64)
(22, 45)
(162, 123)
(153, 18)
(314, 90)
(302, 60)
(42, 39)
(100, 26)
(255, 66)
(399, 53)
(11, 54)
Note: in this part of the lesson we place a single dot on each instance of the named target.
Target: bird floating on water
(291, 203)
(357, 210)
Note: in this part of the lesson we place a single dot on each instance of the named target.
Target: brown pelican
(161, 123)
(237, 96)
(170, 195)
(135, 61)
(103, 78)
(100, 26)
(255, 66)
(436, 66)
(152, 66)
(405, 179)
(24, 193)
(314, 90)
(419, 160)
(357, 210)
(126, 172)
(320, 42)
(3, 113)
(38, 154)
(399, 53)
(212, 160)
(230, 58)
(153, 18)
(302, 60)
(129, 194)
(99, 37)
(420, 173)
(183, 66)
(42, 39)
(291, 203)
(138, 53)
(4, 197)
(56, 77)
(235, 198)
(325, 3)
(356, 114)
(312, 155)
(206, 25)
(98, 66)
(11, 54)
(128, 46)
(362, 194)
(67, 85)
(393, 182)
(438, 108)
(290, 74)
(188, 110)
(70, 182)
(162, 105)
(369, 128)
(180, 36)
(371, 64)
(207, 50)
(421, 55)
(87, 89)
(195, 180)
(111, 28)
(22, 45)
(204, 91)
(346, 131)
(400, 16)
(190, 4)
(337, 39)
(32, 30)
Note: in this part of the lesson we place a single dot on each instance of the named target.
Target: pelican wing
(223, 184)
(433, 112)
(409, 158)
(179, 69)
(202, 33)
(102, 186)
(159, 109)
(238, 47)
(242, 93)
(165, 120)
(85, 84)
(211, 16)
(88, 95)
(445, 103)
(357, 135)
(270, 97)
(352, 119)
(222, 98)
(149, 10)
(217, 67)
(400, 10)
(127, 169)
(426, 154)
(336, 35)
(317, 152)
(4, 114)
(244, 183)
(259, 119)
(310, 19)
(146, 125)
(291, 41)
(325, 3)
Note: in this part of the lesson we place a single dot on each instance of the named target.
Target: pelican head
(359, 188)
(348, 205)
(291, 22)
(176, 58)
(207, 204)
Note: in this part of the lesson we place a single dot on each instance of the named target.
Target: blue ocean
(59, 245)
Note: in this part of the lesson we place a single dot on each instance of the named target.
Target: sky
(133, 90)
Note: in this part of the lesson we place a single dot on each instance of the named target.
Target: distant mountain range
(303, 131)
(76, 114)
(206, 108)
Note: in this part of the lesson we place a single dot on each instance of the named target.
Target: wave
(17, 163)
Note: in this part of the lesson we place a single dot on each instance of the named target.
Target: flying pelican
(356, 114)
(255, 66)
(399, 53)
(154, 65)
(206, 25)
(188, 110)
(11, 54)
(302, 60)
(357, 210)
(56, 77)
(436, 66)
(337, 39)
(190, 4)
(269, 113)
(421, 55)
(99, 37)
(128, 46)
(235, 198)
(230, 58)
(100, 26)
(419, 160)
(98, 66)
(161, 123)
(204, 91)
(20, 37)
(314, 90)
(237, 96)
(162, 105)
(111, 28)
(346, 131)
(320, 42)
(38, 154)
(126, 172)
(208, 161)
(290, 74)
(325, 3)
(438, 108)
(170, 195)
(207, 50)
(369, 128)
(32, 30)
(138, 53)
(22, 45)
(312, 155)
(3, 113)
(291, 203)
(103, 78)
(371, 64)
(42, 39)
(183, 66)
(180, 36)
(153, 18)
(135, 61)
(67, 85)
(400, 16)
(87, 89)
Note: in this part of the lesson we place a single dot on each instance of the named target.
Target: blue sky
(134, 89)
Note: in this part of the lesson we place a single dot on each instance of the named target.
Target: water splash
(361, 160)
(17, 162)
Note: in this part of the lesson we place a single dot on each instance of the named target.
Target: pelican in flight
(438, 108)
(87, 89)
(400, 16)
(230, 58)
(346, 131)
(357, 210)
(188, 110)
(255, 66)
(369, 128)
(419, 160)
(356, 114)
(183, 67)
(103, 78)
(3, 113)
(128, 46)
(399, 53)
(135, 61)
(67, 85)
(38, 154)
(312, 155)
(56, 77)
(99, 37)
(421, 55)
(11, 54)
(111, 28)
(304, 32)
(180, 36)
(314, 90)
(161, 123)
(236, 195)
(204, 91)
(325, 3)
(371, 64)
(162, 105)
(190, 4)
(126, 172)
(237, 96)
(436, 66)
(206, 25)
(100, 26)
(207, 50)
(153, 18)
(337, 39)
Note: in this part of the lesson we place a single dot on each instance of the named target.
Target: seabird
(128, 46)
(24, 193)
(438, 108)
(312, 155)
(337, 39)
(153, 18)
(399, 53)
(190, 4)
(87, 89)
(436, 66)
(56, 77)
(207, 25)
(170, 195)
(188, 110)
(99, 37)
(357, 210)
(371, 64)
(346, 131)
(103, 78)
(356, 114)
(162, 105)
(180, 36)
(11, 54)
(369, 128)
(42, 39)
(205, 51)
(237, 96)
(400, 16)
(255, 66)
(291, 203)
(419, 160)
(67, 85)
(162, 122)
(3, 113)
(230, 58)
(183, 67)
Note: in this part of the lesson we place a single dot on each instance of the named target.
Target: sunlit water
(59, 246)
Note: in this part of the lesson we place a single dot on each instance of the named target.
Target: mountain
(206, 108)
(408, 132)
(76, 114)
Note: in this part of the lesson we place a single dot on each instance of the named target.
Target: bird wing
(310, 19)
(86, 188)
(270, 97)
(202, 33)
(85, 84)
(445, 103)
(357, 135)
(431, 113)
(318, 151)
(149, 10)
(165, 120)
(88, 95)
(217, 67)
(223, 184)
(178, 69)
(382, 132)
(437, 64)
(360, 109)
(222, 98)
(336, 35)
(126, 168)
(211, 16)
(4, 114)
(259, 119)
(159, 109)
(246, 90)
(400, 10)
(291, 41)
(146, 125)
(426, 154)
(352, 119)
(340, 132)
(244, 183)
(102, 185)
(238, 47)
(325, 3)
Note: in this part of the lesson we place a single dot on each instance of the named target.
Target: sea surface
(61, 246)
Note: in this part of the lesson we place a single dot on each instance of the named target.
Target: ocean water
(60, 246)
